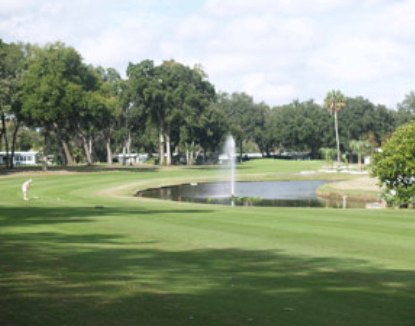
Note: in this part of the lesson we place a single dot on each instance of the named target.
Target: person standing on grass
(25, 189)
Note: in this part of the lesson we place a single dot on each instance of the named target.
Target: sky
(274, 50)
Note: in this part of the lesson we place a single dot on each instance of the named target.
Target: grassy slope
(148, 262)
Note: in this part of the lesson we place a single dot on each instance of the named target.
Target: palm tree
(360, 147)
(328, 154)
(334, 102)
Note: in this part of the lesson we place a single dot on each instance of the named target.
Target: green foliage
(176, 99)
(360, 148)
(300, 126)
(50, 87)
(212, 128)
(395, 166)
(406, 109)
(335, 102)
(12, 65)
(58, 94)
(245, 119)
(361, 117)
(328, 154)
(54, 86)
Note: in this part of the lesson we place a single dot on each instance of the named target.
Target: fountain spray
(230, 152)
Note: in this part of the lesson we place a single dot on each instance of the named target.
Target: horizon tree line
(51, 101)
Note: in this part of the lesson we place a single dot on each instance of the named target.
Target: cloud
(129, 42)
(397, 21)
(196, 27)
(276, 50)
(237, 50)
(357, 60)
(231, 8)
(267, 88)
(12, 7)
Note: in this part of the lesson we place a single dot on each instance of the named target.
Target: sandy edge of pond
(362, 188)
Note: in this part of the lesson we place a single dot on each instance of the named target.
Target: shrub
(394, 165)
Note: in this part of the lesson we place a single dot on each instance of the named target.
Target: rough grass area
(80, 254)
(363, 188)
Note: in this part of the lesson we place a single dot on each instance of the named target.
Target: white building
(131, 158)
(21, 158)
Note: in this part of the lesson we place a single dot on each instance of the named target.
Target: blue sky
(274, 50)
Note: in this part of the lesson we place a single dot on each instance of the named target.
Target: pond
(299, 193)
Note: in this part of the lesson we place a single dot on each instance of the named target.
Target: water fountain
(229, 152)
(296, 193)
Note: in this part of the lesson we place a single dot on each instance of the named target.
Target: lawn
(83, 251)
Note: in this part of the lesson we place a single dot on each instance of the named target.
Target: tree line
(51, 101)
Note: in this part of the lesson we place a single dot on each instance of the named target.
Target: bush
(394, 165)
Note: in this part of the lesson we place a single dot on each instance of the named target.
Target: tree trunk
(90, 149)
(6, 141)
(67, 152)
(109, 152)
(64, 144)
(128, 145)
(161, 145)
(124, 152)
(45, 152)
(1, 134)
(168, 146)
(86, 150)
(196, 155)
(187, 156)
(14, 138)
(336, 127)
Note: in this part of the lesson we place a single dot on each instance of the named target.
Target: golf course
(83, 250)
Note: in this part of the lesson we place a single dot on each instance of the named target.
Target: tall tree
(334, 102)
(111, 91)
(101, 113)
(145, 90)
(300, 126)
(406, 109)
(171, 94)
(54, 92)
(211, 129)
(191, 95)
(241, 113)
(12, 65)
(259, 134)
(362, 118)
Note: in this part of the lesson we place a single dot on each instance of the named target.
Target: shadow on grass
(23, 216)
(55, 279)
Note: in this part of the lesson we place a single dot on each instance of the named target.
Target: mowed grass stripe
(152, 262)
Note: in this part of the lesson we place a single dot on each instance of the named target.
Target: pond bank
(362, 188)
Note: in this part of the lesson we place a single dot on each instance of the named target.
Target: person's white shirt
(25, 189)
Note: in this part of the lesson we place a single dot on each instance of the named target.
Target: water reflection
(267, 193)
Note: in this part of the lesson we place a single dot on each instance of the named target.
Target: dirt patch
(363, 188)
(363, 183)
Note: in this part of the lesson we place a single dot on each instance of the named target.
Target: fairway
(84, 251)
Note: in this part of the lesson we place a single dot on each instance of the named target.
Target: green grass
(149, 262)
(282, 166)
